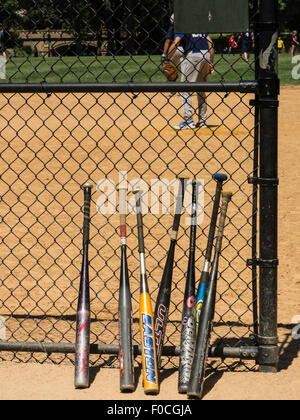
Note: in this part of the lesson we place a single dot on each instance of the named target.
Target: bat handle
(139, 222)
(219, 178)
(87, 189)
(226, 197)
(178, 208)
(122, 212)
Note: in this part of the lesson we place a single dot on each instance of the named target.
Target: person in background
(196, 65)
(247, 43)
(232, 44)
(2, 44)
(295, 42)
(280, 45)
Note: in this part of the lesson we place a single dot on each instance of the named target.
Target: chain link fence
(77, 105)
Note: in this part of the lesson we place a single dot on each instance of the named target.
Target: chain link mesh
(51, 143)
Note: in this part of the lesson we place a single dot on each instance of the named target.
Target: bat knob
(87, 185)
(227, 195)
(220, 177)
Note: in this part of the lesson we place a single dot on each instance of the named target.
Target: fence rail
(242, 87)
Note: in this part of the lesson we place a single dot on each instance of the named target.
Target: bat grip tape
(141, 245)
(221, 226)
(214, 217)
(86, 219)
(179, 205)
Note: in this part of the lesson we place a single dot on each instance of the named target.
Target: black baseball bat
(82, 344)
(164, 294)
(126, 357)
(195, 387)
(149, 359)
(188, 323)
(219, 178)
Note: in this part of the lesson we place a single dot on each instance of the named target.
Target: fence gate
(86, 100)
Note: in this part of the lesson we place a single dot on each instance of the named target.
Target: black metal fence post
(268, 183)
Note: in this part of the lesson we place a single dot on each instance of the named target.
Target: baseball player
(295, 42)
(280, 44)
(232, 44)
(2, 44)
(247, 43)
(196, 65)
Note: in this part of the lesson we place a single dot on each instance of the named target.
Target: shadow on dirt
(289, 347)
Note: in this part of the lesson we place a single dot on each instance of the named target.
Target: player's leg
(203, 72)
(187, 69)
(293, 50)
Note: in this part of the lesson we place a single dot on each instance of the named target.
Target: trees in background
(129, 26)
(134, 26)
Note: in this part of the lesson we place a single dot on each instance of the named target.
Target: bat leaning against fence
(219, 178)
(126, 356)
(188, 324)
(149, 358)
(195, 387)
(164, 295)
(82, 343)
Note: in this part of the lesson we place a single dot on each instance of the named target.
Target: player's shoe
(201, 124)
(184, 125)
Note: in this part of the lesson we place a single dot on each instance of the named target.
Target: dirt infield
(48, 381)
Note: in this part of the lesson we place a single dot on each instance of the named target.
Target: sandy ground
(48, 381)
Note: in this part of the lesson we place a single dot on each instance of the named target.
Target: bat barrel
(82, 350)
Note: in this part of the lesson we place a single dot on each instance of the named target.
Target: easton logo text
(148, 344)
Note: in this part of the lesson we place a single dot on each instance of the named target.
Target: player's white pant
(195, 68)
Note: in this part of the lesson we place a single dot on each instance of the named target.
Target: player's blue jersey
(194, 42)
(246, 38)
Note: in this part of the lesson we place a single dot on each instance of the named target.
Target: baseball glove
(170, 71)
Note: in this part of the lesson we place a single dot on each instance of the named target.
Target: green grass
(126, 69)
